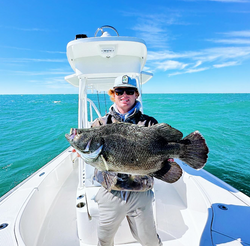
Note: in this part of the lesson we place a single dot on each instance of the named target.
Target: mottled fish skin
(114, 181)
(139, 150)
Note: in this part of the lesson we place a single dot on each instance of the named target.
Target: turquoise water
(33, 128)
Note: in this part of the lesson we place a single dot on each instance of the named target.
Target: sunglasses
(120, 91)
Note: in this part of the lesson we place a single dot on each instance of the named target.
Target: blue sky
(194, 46)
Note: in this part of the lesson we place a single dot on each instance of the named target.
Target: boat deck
(59, 227)
(198, 209)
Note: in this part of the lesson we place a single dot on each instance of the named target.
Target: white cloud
(190, 71)
(197, 64)
(44, 60)
(231, 41)
(234, 37)
(226, 64)
(154, 28)
(148, 69)
(13, 47)
(57, 83)
(225, 53)
(53, 52)
(28, 29)
(44, 51)
(22, 60)
(160, 55)
(201, 56)
(197, 61)
(40, 73)
(170, 64)
(153, 34)
(245, 33)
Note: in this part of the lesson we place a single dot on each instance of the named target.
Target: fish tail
(170, 172)
(195, 151)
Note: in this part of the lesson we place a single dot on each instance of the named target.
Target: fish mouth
(71, 135)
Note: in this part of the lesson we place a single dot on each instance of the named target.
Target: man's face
(123, 101)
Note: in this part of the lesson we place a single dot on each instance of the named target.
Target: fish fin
(169, 173)
(168, 132)
(90, 156)
(105, 163)
(86, 150)
(109, 180)
(196, 150)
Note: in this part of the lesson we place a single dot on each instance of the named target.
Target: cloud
(53, 52)
(170, 64)
(28, 29)
(57, 83)
(31, 29)
(167, 54)
(40, 73)
(45, 51)
(13, 47)
(197, 61)
(234, 37)
(156, 55)
(227, 64)
(152, 33)
(26, 60)
(245, 33)
(60, 71)
(225, 53)
(154, 28)
(198, 64)
(231, 41)
(208, 58)
(52, 82)
(189, 71)
(154, 36)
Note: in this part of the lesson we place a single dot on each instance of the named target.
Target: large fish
(132, 149)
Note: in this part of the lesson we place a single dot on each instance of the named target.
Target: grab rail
(92, 105)
(106, 26)
(82, 174)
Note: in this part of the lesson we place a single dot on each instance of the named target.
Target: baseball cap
(125, 81)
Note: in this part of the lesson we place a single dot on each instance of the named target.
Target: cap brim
(125, 85)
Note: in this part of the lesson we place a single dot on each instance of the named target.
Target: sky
(194, 46)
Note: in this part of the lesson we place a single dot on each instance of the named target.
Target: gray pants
(136, 206)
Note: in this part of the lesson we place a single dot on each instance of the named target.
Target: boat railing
(91, 107)
(91, 117)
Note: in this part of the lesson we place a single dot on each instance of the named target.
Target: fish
(139, 150)
(123, 182)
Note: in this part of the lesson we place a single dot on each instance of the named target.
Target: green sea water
(33, 129)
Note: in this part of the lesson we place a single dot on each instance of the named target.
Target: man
(131, 196)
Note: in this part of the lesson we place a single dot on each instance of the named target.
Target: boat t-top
(55, 206)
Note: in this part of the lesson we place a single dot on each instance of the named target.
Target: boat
(56, 206)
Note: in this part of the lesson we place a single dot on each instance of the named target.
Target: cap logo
(125, 79)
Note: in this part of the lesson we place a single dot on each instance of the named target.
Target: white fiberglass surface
(59, 227)
(182, 212)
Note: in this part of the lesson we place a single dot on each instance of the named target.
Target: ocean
(33, 129)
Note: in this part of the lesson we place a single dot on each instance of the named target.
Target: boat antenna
(105, 102)
(98, 102)
(141, 83)
(106, 26)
